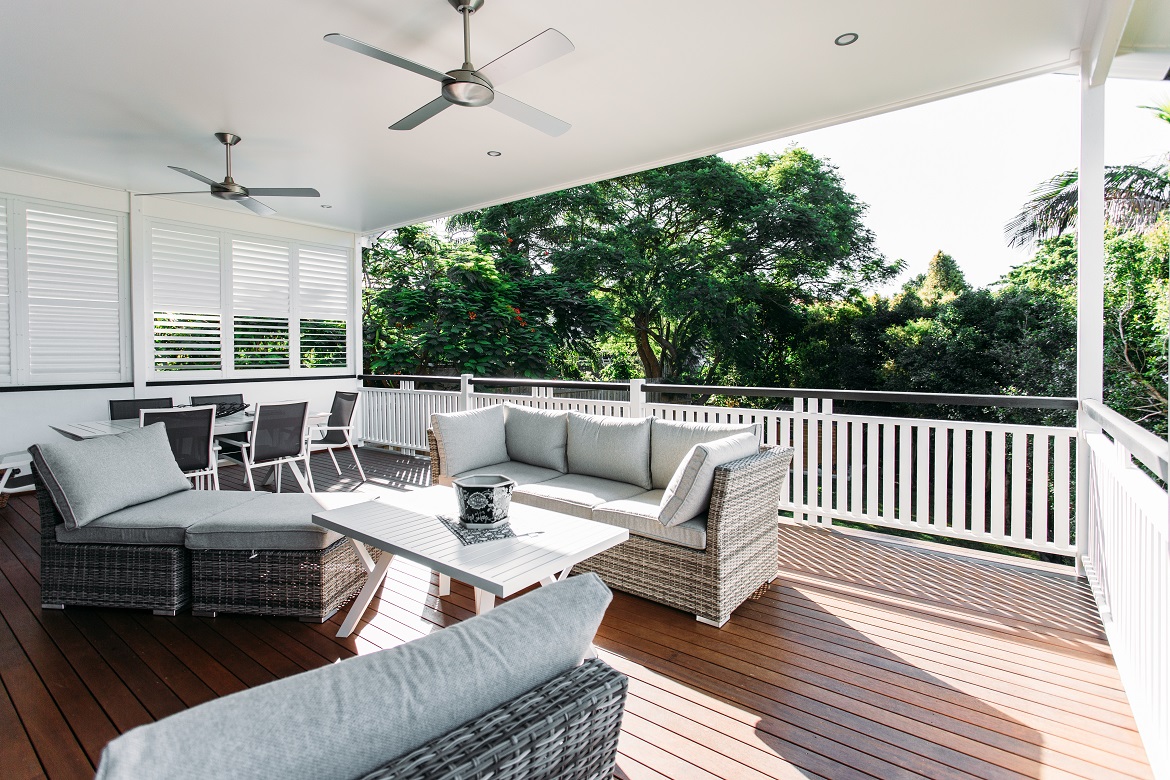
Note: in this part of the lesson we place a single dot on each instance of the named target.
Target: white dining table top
(240, 422)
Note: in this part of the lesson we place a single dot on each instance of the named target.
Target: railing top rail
(561, 383)
(946, 399)
(411, 378)
(1147, 447)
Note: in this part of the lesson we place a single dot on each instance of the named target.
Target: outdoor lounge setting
(300, 481)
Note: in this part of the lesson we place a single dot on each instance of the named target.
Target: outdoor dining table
(240, 422)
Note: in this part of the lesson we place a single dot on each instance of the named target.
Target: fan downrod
(228, 189)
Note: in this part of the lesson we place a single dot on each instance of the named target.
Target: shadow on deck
(862, 660)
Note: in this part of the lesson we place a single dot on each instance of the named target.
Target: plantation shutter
(323, 296)
(74, 312)
(5, 300)
(260, 305)
(185, 284)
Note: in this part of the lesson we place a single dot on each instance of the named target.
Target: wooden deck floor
(862, 660)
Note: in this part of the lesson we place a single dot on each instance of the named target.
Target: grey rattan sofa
(707, 565)
(504, 695)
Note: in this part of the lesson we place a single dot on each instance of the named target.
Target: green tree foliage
(433, 306)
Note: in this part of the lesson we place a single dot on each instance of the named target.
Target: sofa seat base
(639, 515)
(161, 521)
(574, 494)
(520, 473)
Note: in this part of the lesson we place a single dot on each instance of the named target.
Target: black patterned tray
(476, 535)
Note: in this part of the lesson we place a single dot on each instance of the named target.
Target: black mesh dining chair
(129, 409)
(204, 400)
(278, 436)
(191, 432)
(338, 431)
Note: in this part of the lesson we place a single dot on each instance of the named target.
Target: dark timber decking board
(863, 660)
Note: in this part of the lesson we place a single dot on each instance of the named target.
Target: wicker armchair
(154, 577)
(742, 546)
(566, 729)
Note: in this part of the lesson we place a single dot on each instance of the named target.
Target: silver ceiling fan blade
(531, 54)
(285, 192)
(345, 42)
(413, 120)
(533, 117)
(193, 175)
(256, 207)
(184, 192)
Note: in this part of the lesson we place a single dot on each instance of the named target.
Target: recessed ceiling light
(844, 39)
(326, 206)
(494, 153)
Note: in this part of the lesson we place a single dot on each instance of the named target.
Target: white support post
(465, 391)
(1090, 284)
(637, 397)
(141, 319)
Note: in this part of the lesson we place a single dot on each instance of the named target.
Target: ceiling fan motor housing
(467, 88)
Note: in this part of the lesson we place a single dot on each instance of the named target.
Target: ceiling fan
(468, 86)
(229, 190)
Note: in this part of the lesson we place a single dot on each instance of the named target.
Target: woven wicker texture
(566, 729)
(309, 584)
(109, 575)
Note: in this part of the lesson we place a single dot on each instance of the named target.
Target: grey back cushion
(94, 477)
(671, 441)
(536, 437)
(468, 440)
(689, 493)
(344, 720)
(610, 447)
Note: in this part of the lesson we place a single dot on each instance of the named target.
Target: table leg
(358, 608)
(484, 601)
(444, 585)
(556, 577)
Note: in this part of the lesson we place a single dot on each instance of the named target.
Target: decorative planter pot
(483, 499)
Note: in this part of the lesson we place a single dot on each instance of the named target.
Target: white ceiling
(111, 93)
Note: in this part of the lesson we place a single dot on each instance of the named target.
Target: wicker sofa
(436, 707)
(631, 473)
(243, 552)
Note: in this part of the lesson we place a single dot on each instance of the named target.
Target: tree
(701, 262)
(1135, 196)
(943, 279)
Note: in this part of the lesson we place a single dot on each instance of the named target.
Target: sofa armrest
(572, 720)
(746, 493)
(439, 475)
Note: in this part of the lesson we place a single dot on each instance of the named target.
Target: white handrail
(1147, 447)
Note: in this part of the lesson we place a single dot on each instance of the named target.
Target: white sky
(950, 174)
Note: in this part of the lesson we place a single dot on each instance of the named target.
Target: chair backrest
(205, 400)
(191, 432)
(279, 430)
(128, 410)
(340, 416)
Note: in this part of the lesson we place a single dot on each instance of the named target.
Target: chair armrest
(746, 496)
(572, 721)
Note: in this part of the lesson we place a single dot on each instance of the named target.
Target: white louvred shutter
(74, 280)
(5, 300)
(260, 304)
(323, 296)
(185, 285)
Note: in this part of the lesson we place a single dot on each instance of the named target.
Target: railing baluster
(1019, 487)
(922, 478)
(1039, 535)
(941, 457)
(998, 483)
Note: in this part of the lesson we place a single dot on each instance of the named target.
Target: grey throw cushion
(610, 447)
(344, 720)
(468, 440)
(91, 478)
(689, 493)
(671, 441)
(274, 521)
(536, 436)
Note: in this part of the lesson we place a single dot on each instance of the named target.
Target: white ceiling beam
(1111, 17)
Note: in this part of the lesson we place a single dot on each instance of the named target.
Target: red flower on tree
(471, 315)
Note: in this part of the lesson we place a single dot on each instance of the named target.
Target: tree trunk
(651, 365)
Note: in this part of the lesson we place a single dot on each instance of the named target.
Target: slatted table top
(546, 542)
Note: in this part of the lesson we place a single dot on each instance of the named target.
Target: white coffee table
(546, 547)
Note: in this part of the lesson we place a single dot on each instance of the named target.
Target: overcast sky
(950, 174)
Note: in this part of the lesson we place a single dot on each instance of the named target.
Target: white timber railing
(1126, 557)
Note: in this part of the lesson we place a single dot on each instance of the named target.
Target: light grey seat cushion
(671, 441)
(689, 493)
(639, 515)
(274, 521)
(520, 473)
(344, 720)
(94, 477)
(162, 521)
(468, 440)
(536, 436)
(574, 494)
(610, 447)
